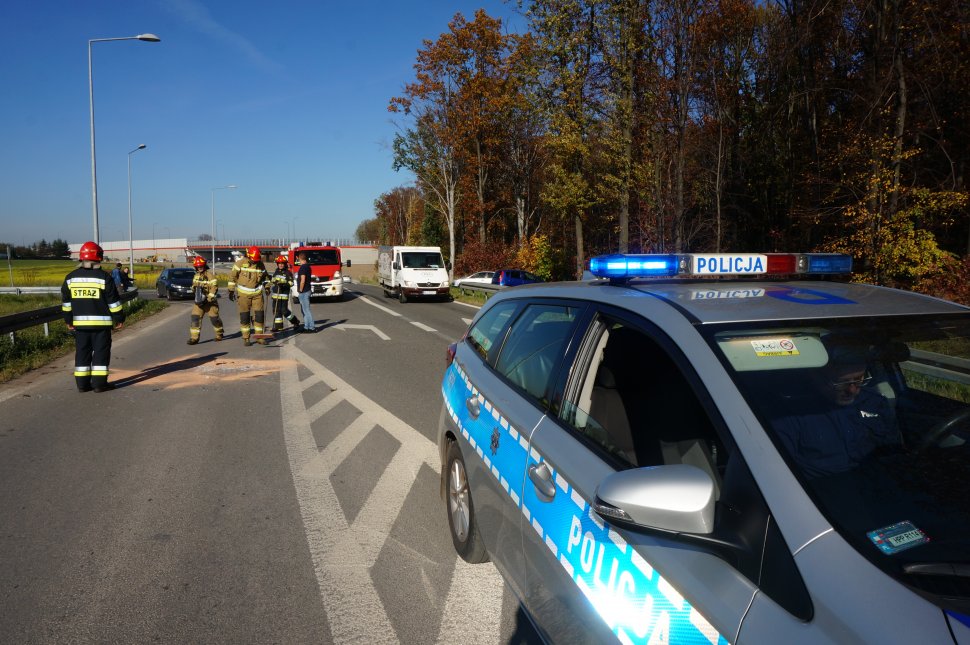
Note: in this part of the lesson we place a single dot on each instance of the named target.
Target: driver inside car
(845, 423)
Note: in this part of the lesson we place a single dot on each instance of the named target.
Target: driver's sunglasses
(861, 382)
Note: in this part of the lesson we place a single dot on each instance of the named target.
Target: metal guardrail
(951, 368)
(481, 287)
(21, 291)
(12, 323)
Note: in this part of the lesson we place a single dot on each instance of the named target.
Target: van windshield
(422, 260)
(322, 256)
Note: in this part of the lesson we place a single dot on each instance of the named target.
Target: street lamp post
(151, 38)
(213, 215)
(131, 244)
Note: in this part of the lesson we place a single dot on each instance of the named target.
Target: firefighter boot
(192, 341)
(247, 342)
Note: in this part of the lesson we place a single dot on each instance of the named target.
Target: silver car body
(481, 277)
(538, 484)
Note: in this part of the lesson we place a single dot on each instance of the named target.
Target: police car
(711, 448)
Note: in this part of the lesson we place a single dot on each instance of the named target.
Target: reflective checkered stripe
(93, 321)
(631, 597)
(86, 282)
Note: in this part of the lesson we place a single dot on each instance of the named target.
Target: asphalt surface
(286, 493)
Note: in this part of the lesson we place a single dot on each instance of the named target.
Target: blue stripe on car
(634, 600)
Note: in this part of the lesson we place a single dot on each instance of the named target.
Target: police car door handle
(474, 407)
(542, 480)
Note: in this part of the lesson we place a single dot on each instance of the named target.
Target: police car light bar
(619, 266)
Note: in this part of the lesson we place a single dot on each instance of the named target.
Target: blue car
(513, 277)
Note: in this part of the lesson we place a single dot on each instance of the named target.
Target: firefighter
(281, 282)
(247, 280)
(91, 307)
(206, 290)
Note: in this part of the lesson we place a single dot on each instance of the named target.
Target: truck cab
(411, 272)
(326, 279)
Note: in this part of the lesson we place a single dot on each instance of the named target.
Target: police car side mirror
(677, 498)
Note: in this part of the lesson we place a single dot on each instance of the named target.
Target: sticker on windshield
(774, 347)
(898, 537)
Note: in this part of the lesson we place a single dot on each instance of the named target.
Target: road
(286, 493)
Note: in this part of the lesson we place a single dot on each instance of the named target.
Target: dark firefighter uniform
(280, 285)
(206, 290)
(91, 307)
(247, 281)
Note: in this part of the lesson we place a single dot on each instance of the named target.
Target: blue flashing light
(619, 266)
(832, 263)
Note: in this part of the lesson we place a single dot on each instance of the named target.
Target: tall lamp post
(131, 244)
(150, 38)
(213, 215)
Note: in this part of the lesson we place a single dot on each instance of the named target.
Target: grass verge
(33, 349)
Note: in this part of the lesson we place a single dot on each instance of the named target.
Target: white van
(408, 272)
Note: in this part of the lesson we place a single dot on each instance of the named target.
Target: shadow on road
(328, 323)
(167, 368)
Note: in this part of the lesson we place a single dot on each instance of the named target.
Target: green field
(50, 273)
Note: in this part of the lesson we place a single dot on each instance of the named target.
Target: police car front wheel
(461, 511)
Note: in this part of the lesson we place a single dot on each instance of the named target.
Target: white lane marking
(374, 304)
(343, 552)
(352, 605)
(323, 406)
(339, 449)
(467, 321)
(465, 304)
(374, 329)
(422, 326)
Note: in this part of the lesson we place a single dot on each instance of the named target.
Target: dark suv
(513, 277)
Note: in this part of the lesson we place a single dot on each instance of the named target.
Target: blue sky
(287, 100)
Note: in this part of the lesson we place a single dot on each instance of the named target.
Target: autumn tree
(399, 213)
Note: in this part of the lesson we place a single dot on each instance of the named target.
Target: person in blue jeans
(303, 293)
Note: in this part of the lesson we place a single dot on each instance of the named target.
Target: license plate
(429, 293)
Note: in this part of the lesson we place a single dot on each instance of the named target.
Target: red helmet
(281, 259)
(91, 252)
(199, 262)
(254, 254)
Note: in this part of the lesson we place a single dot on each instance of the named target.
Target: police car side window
(536, 342)
(486, 333)
(633, 396)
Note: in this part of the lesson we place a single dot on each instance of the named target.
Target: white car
(482, 277)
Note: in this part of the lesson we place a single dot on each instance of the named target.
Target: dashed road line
(344, 552)
(381, 307)
(422, 326)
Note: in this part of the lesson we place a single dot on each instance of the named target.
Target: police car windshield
(873, 416)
